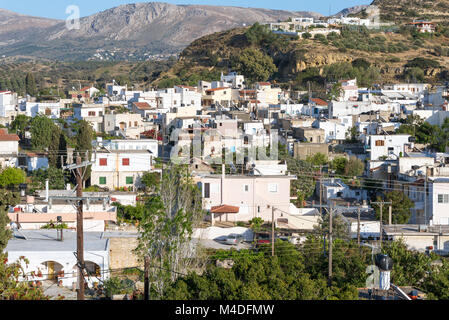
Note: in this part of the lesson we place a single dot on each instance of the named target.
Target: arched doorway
(52, 270)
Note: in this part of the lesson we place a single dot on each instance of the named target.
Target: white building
(335, 129)
(346, 108)
(49, 109)
(8, 103)
(130, 145)
(118, 169)
(387, 146)
(438, 201)
(92, 113)
(53, 260)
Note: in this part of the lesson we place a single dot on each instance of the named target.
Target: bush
(422, 63)
(115, 285)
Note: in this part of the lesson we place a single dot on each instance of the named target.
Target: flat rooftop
(46, 240)
(416, 230)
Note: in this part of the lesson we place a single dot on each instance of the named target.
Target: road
(213, 244)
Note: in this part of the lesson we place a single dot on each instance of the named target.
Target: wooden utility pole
(381, 205)
(272, 231)
(358, 226)
(390, 215)
(331, 211)
(79, 230)
(321, 189)
(147, 279)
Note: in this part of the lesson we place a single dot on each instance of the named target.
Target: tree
(339, 164)
(20, 123)
(151, 181)
(30, 84)
(254, 64)
(5, 234)
(167, 225)
(12, 177)
(340, 227)
(401, 207)
(45, 135)
(260, 277)
(55, 176)
(12, 287)
(84, 137)
(354, 167)
(318, 159)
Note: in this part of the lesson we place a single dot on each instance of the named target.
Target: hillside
(407, 10)
(389, 57)
(131, 32)
(15, 27)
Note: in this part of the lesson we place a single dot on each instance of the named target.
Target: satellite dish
(14, 226)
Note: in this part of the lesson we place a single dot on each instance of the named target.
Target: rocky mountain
(132, 31)
(15, 27)
(351, 10)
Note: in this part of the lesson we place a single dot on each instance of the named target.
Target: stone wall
(121, 253)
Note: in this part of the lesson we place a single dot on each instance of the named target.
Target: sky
(57, 9)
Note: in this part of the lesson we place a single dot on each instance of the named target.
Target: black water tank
(384, 262)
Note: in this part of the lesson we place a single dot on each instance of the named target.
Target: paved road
(213, 244)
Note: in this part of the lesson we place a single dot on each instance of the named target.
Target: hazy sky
(57, 9)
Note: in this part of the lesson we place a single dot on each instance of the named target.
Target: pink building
(253, 196)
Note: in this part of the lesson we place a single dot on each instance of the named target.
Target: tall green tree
(30, 84)
(84, 136)
(46, 135)
(401, 207)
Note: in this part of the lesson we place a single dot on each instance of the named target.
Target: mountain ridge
(136, 29)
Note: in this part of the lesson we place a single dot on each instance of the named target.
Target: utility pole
(79, 200)
(358, 226)
(331, 212)
(390, 215)
(147, 279)
(272, 231)
(425, 198)
(381, 204)
(321, 189)
(79, 230)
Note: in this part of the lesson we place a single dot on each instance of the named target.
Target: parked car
(262, 238)
(234, 239)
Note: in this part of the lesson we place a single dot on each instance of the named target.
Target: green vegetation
(117, 286)
(436, 137)
(401, 207)
(254, 64)
(12, 177)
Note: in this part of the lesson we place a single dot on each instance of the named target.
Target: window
(207, 190)
(135, 124)
(246, 188)
(380, 143)
(91, 113)
(129, 180)
(273, 187)
(125, 162)
(443, 198)
(103, 162)
(102, 180)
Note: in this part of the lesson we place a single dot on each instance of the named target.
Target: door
(51, 270)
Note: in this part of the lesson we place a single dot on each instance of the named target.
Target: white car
(234, 239)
